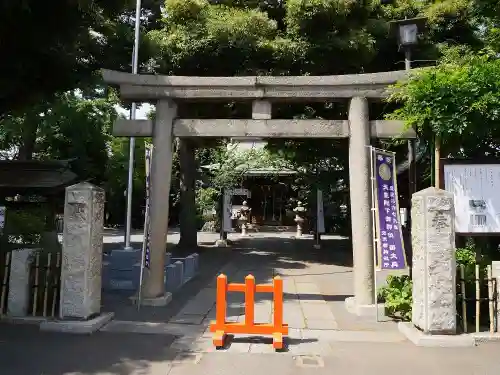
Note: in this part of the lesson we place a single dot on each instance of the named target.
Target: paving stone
(183, 343)
(296, 324)
(307, 288)
(235, 298)
(294, 317)
(309, 361)
(187, 319)
(235, 318)
(263, 312)
(201, 303)
(187, 358)
(316, 311)
(321, 324)
(308, 347)
(207, 321)
(203, 344)
(289, 286)
(294, 333)
(211, 313)
(262, 348)
(238, 347)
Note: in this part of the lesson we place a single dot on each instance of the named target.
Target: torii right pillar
(363, 302)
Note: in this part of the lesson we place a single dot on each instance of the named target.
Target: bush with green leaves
(397, 296)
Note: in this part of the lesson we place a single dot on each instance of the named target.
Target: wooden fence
(477, 292)
(44, 283)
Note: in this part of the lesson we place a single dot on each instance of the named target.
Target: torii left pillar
(153, 293)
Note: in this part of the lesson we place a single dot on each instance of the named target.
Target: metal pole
(135, 61)
(411, 151)
(374, 231)
(411, 169)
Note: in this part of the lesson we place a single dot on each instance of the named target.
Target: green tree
(303, 37)
(458, 100)
(68, 127)
(62, 41)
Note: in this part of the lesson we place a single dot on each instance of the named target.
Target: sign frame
(466, 162)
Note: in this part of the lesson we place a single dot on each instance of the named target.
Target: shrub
(397, 296)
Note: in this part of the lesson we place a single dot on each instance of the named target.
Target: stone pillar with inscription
(434, 268)
(82, 252)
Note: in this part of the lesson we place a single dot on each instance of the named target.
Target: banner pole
(374, 239)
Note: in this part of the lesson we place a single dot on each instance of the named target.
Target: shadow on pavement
(26, 351)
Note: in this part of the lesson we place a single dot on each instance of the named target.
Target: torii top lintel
(146, 87)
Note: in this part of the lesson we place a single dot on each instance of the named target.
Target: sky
(141, 113)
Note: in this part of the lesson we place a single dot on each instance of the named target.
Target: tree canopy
(458, 100)
(53, 104)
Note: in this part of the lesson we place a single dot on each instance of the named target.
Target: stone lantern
(299, 217)
(244, 217)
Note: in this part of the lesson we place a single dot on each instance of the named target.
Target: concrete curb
(77, 327)
(153, 328)
(31, 320)
(432, 341)
(481, 337)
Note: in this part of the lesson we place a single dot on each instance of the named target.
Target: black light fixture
(407, 30)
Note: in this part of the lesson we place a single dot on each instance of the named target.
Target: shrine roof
(18, 176)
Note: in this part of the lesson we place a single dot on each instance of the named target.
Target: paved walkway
(316, 283)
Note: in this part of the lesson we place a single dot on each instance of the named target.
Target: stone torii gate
(262, 91)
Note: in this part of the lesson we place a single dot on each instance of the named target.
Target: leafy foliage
(225, 38)
(397, 296)
(232, 164)
(457, 100)
(69, 127)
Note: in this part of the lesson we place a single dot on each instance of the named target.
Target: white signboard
(320, 212)
(477, 200)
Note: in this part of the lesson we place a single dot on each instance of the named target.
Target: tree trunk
(187, 216)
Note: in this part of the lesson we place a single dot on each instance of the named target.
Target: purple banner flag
(147, 210)
(390, 245)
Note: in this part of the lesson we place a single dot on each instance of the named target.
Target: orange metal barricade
(221, 328)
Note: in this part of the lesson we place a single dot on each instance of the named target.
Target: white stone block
(180, 269)
(82, 252)
(434, 267)
(196, 257)
(261, 110)
(19, 282)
